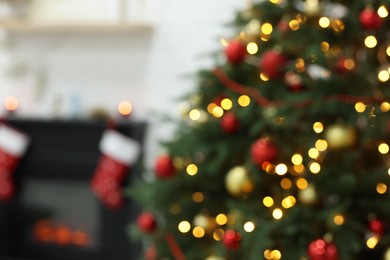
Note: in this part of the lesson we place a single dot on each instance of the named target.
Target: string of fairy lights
(292, 173)
(297, 169)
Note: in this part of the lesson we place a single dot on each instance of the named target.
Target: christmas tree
(283, 153)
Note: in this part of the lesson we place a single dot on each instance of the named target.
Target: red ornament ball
(263, 151)
(235, 52)
(369, 19)
(231, 240)
(272, 64)
(322, 250)
(147, 222)
(230, 123)
(164, 167)
(377, 227)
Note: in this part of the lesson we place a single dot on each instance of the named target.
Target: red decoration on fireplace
(119, 152)
(13, 145)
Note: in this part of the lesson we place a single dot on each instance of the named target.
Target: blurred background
(65, 62)
(81, 58)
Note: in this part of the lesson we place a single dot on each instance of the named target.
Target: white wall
(100, 71)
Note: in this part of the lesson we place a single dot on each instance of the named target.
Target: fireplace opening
(63, 213)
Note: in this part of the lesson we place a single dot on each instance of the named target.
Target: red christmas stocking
(119, 153)
(13, 144)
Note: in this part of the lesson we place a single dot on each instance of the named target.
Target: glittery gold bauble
(205, 222)
(308, 196)
(201, 220)
(312, 7)
(340, 136)
(309, 7)
(252, 29)
(386, 255)
(237, 181)
(213, 257)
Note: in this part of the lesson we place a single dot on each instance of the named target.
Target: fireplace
(55, 214)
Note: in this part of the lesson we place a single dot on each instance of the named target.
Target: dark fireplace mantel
(54, 193)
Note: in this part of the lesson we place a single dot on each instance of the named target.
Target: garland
(262, 101)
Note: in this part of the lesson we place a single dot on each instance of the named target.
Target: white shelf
(23, 27)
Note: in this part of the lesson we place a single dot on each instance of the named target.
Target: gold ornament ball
(252, 29)
(312, 7)
(340, 136)
(201, 220)
(308, 196)
(205, 222)
(213, 257)
(386, 255)
(237, 181)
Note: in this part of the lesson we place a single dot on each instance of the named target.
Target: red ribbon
(174, 247)
(241, 89)
(262, 101)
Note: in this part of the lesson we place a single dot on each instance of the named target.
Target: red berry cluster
(107, 181)
(321, 250)
(377, 227)
(231, 239)
(8, 164)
